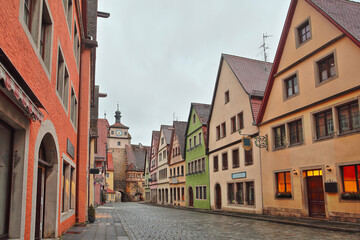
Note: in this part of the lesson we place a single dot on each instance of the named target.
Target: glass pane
(309, 173)
(288, 182)
(355, 117)
(349, 179)
(280, 182)
(239, 193)
(296, 88)
(344, 118)
(5, 143)
(316, 173)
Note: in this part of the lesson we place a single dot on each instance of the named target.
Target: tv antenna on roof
(175, 118)
(264, 47)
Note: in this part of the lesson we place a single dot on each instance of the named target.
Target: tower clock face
(118, 132)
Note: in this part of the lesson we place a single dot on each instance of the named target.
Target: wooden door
(39, 225)
(191, 197)
(218, 196)
(316, 196)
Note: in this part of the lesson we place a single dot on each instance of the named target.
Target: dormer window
(194, 118)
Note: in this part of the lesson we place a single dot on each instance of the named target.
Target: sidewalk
(305, 222)
(106, 226)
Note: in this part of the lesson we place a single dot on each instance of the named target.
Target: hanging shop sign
(13, 89)
(247, 143)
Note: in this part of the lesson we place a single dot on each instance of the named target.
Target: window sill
(320, 83)
(279, 148)
(354, 131)
(291, 97)
(324, 138)
(249, 164)
(235, 166)
(296, 144)
(66, 215)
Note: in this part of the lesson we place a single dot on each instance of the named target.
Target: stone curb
(325, 224)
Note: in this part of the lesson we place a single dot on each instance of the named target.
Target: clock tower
(118, 138)
(118, 133)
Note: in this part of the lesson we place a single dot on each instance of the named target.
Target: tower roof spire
(117, 114)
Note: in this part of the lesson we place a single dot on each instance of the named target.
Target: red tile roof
(119, 125)
(252, 74)
(255, 105)
(109, 191)
(345, 13)
(110, 162)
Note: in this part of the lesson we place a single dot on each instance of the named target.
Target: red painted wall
(18, 48)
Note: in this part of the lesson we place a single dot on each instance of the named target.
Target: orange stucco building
(46, 74)
(310, 114)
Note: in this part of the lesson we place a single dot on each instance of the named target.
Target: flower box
(350, 196)
(283, 195)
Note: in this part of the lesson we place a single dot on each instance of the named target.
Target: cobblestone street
(142, 221)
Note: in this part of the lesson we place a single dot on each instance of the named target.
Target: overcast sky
(155, 57)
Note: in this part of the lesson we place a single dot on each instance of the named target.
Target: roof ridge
(245, 58)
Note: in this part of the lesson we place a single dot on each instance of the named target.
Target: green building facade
(196, 160)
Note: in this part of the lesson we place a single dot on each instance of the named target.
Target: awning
(13, 90)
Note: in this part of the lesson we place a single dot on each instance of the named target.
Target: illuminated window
(283, 182)
(350, 175)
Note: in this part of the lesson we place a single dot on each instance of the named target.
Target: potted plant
(283, 195)
(350, 195)
(91, 214)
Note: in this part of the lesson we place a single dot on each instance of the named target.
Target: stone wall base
(287, 212)
(344, 217)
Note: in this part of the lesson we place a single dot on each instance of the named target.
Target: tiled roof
(345, 13)
(167, 133)
(135, 157)
(255, 105)
(251, 73)
(119, 125)
(110, 162)
(202, 111)
(109, 191)
(180, 131)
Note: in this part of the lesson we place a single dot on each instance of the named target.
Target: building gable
(327, 36)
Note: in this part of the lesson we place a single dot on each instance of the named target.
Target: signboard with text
(238, 175)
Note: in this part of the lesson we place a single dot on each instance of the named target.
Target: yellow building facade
(310, 115)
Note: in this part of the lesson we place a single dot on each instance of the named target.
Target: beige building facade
(235, 176)
(310, 114)
(163, 165)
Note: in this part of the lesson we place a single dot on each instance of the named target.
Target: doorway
(217, 196)
(46, 194)
(315, 193)
(191, 197)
